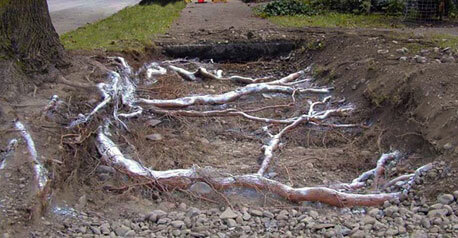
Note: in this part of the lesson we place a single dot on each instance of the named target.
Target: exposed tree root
(121, 90)
(184, 178)
(41, 174)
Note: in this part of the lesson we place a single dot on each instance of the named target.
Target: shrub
(286, 7)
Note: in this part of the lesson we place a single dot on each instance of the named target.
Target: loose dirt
(405, 104)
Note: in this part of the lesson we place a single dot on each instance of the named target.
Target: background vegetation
(130, 29)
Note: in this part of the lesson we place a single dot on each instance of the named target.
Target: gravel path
(218, 16)
(68, 15)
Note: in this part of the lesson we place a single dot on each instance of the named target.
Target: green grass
(331, 19)
(445, 40)
(130, 29)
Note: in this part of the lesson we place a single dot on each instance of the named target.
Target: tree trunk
(28, 43)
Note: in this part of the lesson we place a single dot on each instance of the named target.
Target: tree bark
(28, 43)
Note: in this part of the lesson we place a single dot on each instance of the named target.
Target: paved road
(68, 15)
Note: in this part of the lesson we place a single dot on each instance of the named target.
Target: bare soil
(407, 105)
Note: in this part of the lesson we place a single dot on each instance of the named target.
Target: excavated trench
(232, 52)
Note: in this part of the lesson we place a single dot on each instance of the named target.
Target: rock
(153, 122)
(193, 212)
(82, 201)
(358, 234)
(256, 213)
(154, 137)
(403, 58)
(437, 213)
(204, 141)
(447, 59)
(426, 223)
(455, 194)
(448, 146)
(178, 224)
(368, 220)
(420, 59)
(313, 214)
(389, 211)
(105, 228)
(383, 51)
(228, 214)
(246, 216)
(445, 198)
(156, 215)
(419, 234)
(95, 230)
(374, 212)
(391, 232)
(403, 50)
(424, 52)
(201, 188)
(130, 233)
(182, 206)
(268, 214)
(164, 221)
(121, 230)
(283, 215)
(231, 223)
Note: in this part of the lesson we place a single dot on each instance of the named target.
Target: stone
(164, 221)
(383, 51)
(246, 216)
(182, 206)
(368, 220)
(313, 214)
(447, 59)
(82, 201)
(231, 223)
(154, 137)
(445, 198)
(374, 212)
(193, 212)
(228, 214)
(455, 194)
(130, 233)
(420, 59)
(358, 234)
(178, 224)
(437, 213)
(121, 230)
(389, 211)
(268, 214)
(256, 212)
(403, 58)
(105, 228)
(153, 122)
(419, 234)
(201, 188)
(156, 215)
(391, 232)
(403, 50)
(426, 223)
(95, 230)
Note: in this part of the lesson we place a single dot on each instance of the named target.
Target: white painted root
(227, 97)
(40, 171)
(184, 178)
